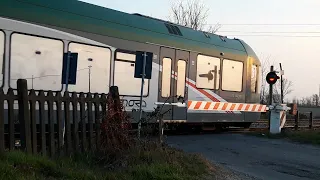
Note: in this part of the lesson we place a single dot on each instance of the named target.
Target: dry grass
(302, 136)
(141, 163)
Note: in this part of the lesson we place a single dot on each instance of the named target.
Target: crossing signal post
(277, 111)
(271, 79)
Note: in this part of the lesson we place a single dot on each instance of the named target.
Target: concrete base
(275, 127)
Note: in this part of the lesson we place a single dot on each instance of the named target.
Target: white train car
(194, 65)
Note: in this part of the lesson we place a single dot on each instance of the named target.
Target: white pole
(89, 78)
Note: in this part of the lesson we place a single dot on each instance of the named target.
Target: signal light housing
(272, 77)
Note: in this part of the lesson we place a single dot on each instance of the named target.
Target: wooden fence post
(2, 143)
(83, 122)
(296, 126)
(67, 124)
(33, 121)
(90, 119)
(11, 98)
(43, 135)
(161, 129)
(75, 137)
(311, 120)
(114, 92)
(24, 115)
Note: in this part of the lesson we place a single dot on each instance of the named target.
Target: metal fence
(300, 121)
(50, 123)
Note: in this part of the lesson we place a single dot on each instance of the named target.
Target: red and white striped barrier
(283, 117)
(226, 106)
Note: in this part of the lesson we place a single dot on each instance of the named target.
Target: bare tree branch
(287, 89)
(214, 29)
(265, 67)
(264, 93)
(191, 14)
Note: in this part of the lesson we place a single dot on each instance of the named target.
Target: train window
(93, 60)
(37, 59)
(181, 78)
(125, 56)
(2, 45)
(232, 72)
(166, 77)
(123, 75)
(254, 78)
(206, 66)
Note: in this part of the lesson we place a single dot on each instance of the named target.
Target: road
(256, 157)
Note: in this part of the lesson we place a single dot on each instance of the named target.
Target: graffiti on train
(133, 103)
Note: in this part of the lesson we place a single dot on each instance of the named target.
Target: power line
(271, 35)
(280, 32)
(265, 24)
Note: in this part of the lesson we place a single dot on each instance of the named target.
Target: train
(187, 65)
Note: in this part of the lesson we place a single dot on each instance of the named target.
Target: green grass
(302, 136)
(157, 164)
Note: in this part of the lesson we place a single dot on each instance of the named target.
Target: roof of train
(86, 17)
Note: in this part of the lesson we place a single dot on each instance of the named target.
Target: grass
(157, 164)
(302, 136)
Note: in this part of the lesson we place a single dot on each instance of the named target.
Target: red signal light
(272, 78)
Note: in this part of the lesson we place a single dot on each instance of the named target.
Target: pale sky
(299, 55)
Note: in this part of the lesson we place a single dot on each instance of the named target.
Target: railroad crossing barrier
(277, 111)
(226, 106)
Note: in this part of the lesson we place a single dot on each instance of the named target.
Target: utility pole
(32, 82)
(270, 97)
(281, 83)
(318, 96)
(271, 89)
(67, 71)
(89, 78)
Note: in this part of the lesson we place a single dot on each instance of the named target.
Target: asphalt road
(255, 157)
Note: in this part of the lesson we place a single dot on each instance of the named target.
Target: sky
(286, 31)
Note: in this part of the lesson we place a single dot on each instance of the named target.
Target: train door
(172, 82)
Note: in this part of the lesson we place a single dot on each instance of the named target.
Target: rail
(290, 123)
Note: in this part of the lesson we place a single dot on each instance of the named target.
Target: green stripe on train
(76, 15)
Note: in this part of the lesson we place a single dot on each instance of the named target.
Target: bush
(115, 127)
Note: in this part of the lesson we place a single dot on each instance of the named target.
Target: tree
(315, 98)
(309, 101)
(265, 67)
(191, 14)
(295, 101)
(264, 93)
(287, 89)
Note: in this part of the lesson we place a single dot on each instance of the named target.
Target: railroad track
(262, 125)
(290, 123)
(258, 126)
